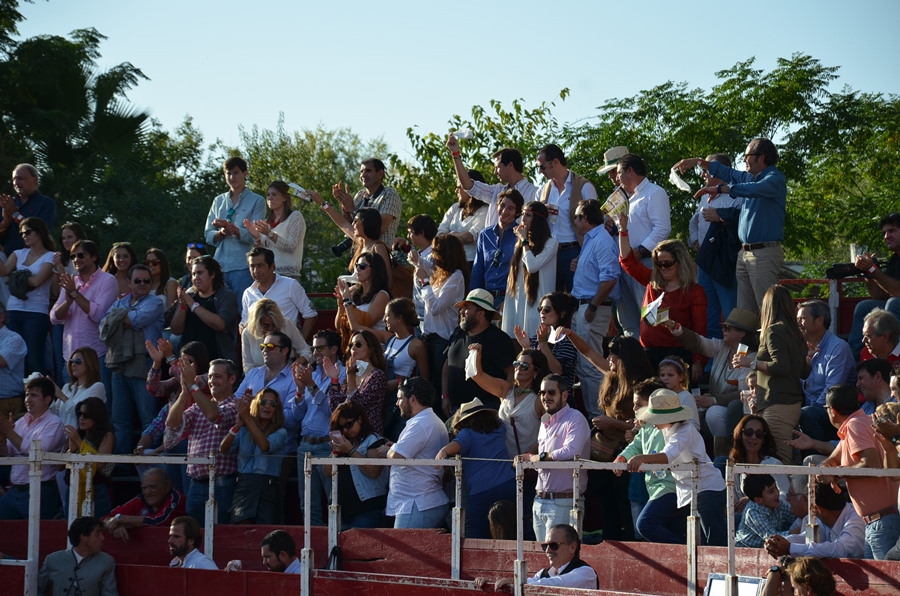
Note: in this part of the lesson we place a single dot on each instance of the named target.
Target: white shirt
(846, 540)
(683, 444)
(441, 314)
(583, 577)
(453, 222)
(560, 224)
(286, 292)
(649, 220)
(699, 226)
(194, 560)
(422, 437)
(489, 194)
(75, 394)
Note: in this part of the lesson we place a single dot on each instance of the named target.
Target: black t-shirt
(197, 330)
(497, 353)
(892, 267)
(351, 505)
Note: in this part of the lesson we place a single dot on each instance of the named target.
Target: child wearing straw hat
(683, 445)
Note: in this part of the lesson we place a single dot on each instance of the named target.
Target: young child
(658, 517)
(683, 445)
(673, 372)
(766, 514)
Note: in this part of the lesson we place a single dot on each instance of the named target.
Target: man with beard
(184, 536)
(564, 433)
(476, 313)
(375, 195)
(279, 554)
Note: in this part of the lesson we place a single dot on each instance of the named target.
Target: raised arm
(493, 385)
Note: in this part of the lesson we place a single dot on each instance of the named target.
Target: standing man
(286, 292)
(649, 224)
(129, 323)
(874, 498)
(416, 497)
(475, 315)
(206, 423)
(831, 363)
(611, 161)
(508, 166)
(495, 247)
(421, 230)
(374, 195)
(12, 369)
(184, 537)
(761, 222)
(564, 433)
(28, 202)
(231, 240)
(84, 569)
(596, 289)
(562, 193)
(883, 284)
(39, 423)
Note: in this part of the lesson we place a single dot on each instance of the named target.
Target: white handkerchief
(361, 366)
(556, 335)
(471, 370)
(677, 181)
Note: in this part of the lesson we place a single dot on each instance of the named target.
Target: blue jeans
(719, 300)
(130, 392)
(881, 536)
(436, 517)
(565, 277)
(546, 513)
(106, 379)
(855, 340)
(198, 493)
(815, 423)
(59, 363)
(711, 508)
(33, 327)
(318, 479)
(14, 504)
(238, 280)
(662, 520)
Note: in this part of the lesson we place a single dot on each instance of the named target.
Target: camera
(340, 249)
(842, 270)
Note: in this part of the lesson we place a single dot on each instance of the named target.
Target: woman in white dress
(532, 270)
(283, 232)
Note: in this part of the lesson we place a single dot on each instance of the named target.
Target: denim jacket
(368, 488)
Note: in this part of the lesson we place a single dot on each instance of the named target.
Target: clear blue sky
(380, 67)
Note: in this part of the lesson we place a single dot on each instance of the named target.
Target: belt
(23, 488)
(874, 517)
(568, 245)
(551, 496)
(497, 293)
(206, 480)
(316, 440)
(588, 301)
(759, 245)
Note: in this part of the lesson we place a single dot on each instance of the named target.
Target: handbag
(604, 449)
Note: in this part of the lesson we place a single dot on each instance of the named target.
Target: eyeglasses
(75, 361)
(553, 546)
(541, 166)
(151, 262)
(318, 348)
(666, 264)
(523, 366)
(750, 433)
(197, 246)
(143, 281)
(544, 310)
(544, 392)
(269, 346)
(358, 344)
(268, 402)
(78, 255)
(349, 424)
(26, 233)
(498, 254)
(746, 155)
(580, 216)
(728, 327)
(362, 266)
(82, 414)
(267, 326)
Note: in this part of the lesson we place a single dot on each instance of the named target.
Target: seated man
(874, 382)
(83, 570)
(184, 536)
(842, 533)
(881, 336)
(883, 284)
(158, 504)
(279, 554)
(765, 515)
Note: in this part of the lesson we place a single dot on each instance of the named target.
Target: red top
(172, 507)
(686, 307)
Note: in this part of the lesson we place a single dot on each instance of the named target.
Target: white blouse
(453, 222)
(75, 394)
(288, 244)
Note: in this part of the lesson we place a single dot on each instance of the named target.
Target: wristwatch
(73, 294)
(118, 517)
(895, 439)
(592, 307)
(543, 455)
(753, 364)
(774, 569)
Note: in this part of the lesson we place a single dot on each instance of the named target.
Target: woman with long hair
(92, 435)
(403, 351)
(556, 310)
(283, 231)
(780, 363)
(70, 233)
(674, 274)
(532, 270)
(362, 489)
(366, 378)
(84, 372)
(119, 260)
(264, 318)
(162, 283)
(28, 309)
(367, 298)
(753, 444)
(465, 218)
(259, 438)
(208, 312)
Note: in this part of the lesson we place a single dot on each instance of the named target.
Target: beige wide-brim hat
(482, 298)
(665, 407)
(469, 409)
(743, 319)
(611, 158)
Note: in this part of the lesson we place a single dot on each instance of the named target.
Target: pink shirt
(869, 495)
(83, 329)
(563, 435)
(47, 428)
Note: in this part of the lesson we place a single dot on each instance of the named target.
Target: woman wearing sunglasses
(283, 231)
(119, 260)
(362, 489)
(674, 274)
(84, 371)
(163, 285)
(754, 444)
(366, 378)
(556, 310)
(70, 233)
(264, 318)
(367, 298)
(259, 438)
(92, 434)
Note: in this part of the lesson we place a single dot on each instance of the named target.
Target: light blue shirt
(146, 314)
(597, 263)
(283, 384)
(831, 365)
(765, 201)
(13, 350)
(253, 460)
(313, 414)
(231, 251)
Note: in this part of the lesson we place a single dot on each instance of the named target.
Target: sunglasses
(666, 264)
(349, 424)
(523, 366)
(197, 246)
(82, 414)
(78, 255)
(151, 262)
(750, 433)
(269, 346)
(318, 348)
(75, 361)
(26, 233)
(143, 281)
(553, 546)
(728, 327)
(498, 254)
(544, 392)
(268, 402)
(230, 214)
(545, 310)
(267, 326)
(362, 266)
(358, 344)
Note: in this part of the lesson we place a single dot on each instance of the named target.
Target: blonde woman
(265, 317)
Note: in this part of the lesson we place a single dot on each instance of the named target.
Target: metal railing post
(87, 508)
(307, 559)
(458, 522)
(334, 513)
(520, 571)
(812, 528)
(35, 457)
(212, 508)
(575, 515)
(74, 488)
(693, 532)
(731, 583)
